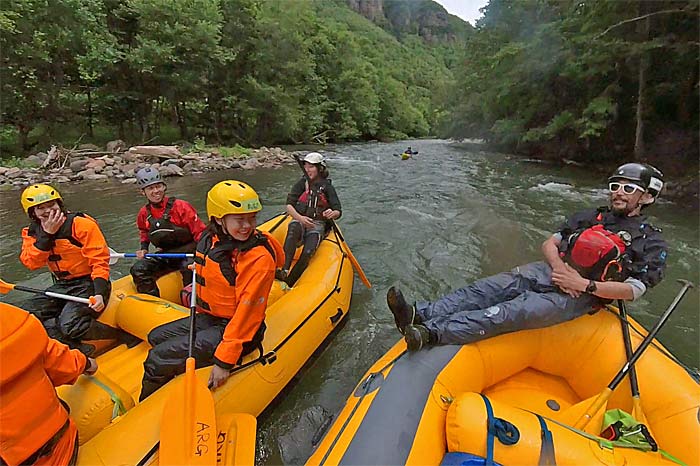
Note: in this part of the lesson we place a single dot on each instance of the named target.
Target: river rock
(13, 172)
(33, 161)
(92, 147)
(95, 176)
(171, 170)
(178, 162)
(95, 164)
(77, 164)
(250, 164)
(85, 173)
(107, 160)
(129, 181)
(115, 146)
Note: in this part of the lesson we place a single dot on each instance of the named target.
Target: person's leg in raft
(170, 343)
(295, 231)
(529, 310)
(312, 239)
(146, 271)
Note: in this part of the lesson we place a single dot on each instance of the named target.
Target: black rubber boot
(416, 336)
(403, 313)
(281, 275)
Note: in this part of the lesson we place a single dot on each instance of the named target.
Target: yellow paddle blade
(188, 425)
(236, 438)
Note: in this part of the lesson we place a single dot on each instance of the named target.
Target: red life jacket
(595, 253)
(313, 201)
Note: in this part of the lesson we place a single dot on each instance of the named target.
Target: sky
(468, 10)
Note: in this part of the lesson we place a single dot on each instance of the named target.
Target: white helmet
(315, 158)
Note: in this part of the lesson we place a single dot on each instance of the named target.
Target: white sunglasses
(627, 188)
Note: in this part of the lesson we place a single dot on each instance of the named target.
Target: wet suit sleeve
(35, 249)
(187, 217)
(333, 199)
(63, 365)
(651, 267)
(296, 192)
(256, 273)
(142, 225)
(95, 250)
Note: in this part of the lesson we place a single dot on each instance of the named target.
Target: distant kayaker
(34, 424)
(170, 224)
(311, 203)
(235, 266)
(75, 251)
(597, 255)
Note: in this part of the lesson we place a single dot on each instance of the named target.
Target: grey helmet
(147, 177)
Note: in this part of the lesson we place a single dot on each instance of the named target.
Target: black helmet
(645, 175)
(148, 176)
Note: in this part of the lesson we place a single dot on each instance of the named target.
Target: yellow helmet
(37, 194)
(232, 197)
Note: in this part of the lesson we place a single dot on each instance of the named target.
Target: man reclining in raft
(596, 256)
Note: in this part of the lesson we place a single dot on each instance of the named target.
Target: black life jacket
(314, 200)
(602, 250)
(164, 234)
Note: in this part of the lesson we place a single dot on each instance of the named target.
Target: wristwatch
(592, 287)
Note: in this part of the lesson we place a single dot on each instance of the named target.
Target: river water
(430, 224)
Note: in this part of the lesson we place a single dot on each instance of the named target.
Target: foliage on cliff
(604, 80)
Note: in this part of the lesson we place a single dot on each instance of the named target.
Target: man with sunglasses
(598, 255)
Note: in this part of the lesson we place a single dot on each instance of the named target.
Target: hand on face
(50, 216)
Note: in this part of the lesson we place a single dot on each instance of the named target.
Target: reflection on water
(430, 224)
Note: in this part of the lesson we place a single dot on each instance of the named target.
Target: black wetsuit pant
(170, 344)
(297, 235)
(146, 271)
(67, 321)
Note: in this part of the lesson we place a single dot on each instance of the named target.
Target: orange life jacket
(78, 249)
(233, 282)
(218, 263)
(31, 365)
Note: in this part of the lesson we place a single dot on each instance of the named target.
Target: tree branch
(638, 18)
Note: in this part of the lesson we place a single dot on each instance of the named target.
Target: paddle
(351, 256)
(344, 246)
(114, 256)
(600, 402)
(7, 287)
(637, 412)
(188, 425)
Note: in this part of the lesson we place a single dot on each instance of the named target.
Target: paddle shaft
(52, 294)
(651, 335)
(628, 347)
(344, 246)
(193, 310)
(604, 396)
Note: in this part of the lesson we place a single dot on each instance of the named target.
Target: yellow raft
(114, 429)
(413, 408)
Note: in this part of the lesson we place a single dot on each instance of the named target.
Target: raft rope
(694, 373)
(609, 444)
(506, 432)
(118, 408)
